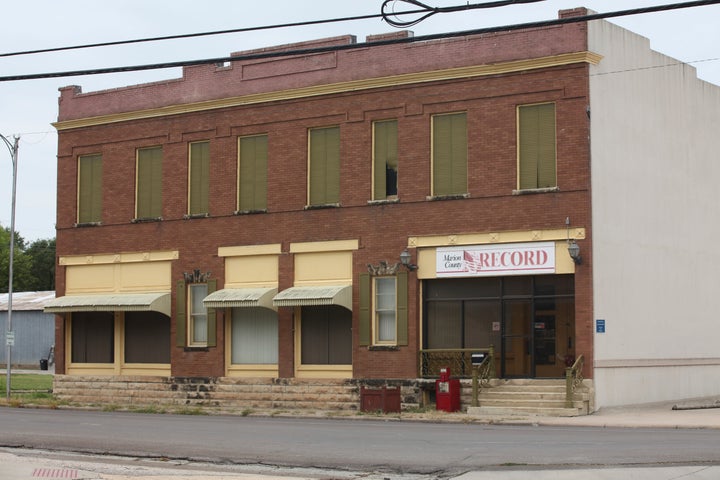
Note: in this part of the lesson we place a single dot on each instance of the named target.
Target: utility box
(447, 392)
(385, 399)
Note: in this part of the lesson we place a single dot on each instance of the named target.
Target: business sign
(600, 325)
(488, 260)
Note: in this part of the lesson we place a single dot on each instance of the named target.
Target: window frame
(537, 187)
(155, 195)
(204, 180)
(379, 159)
(259, 176)
(377, 311)
(193, 316)
(453, 167)
(330, 197)
(93, 197)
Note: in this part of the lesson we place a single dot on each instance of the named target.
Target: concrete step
(520, 411)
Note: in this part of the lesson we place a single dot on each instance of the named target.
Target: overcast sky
(28, 107)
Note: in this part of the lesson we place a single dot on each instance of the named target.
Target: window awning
(241, 297)
(111, 302)
(315, 295)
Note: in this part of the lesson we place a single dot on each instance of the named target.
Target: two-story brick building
(244, 224)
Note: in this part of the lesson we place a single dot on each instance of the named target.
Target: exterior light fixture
(405, 258)
(574, 251)
(573, 247)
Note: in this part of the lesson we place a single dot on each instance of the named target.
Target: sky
(29, 107)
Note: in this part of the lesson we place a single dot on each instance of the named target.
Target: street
(361, 444)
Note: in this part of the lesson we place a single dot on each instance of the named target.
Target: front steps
(541, 397)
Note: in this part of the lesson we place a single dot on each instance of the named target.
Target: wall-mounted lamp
(405, 258)
(573, 247)
(574, 251)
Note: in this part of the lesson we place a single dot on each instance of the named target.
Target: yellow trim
(269, 249)
(331, 246)
(576, 233)
(252, 371)
(426, 253)
(134, 257)
(324, 371)
(334, 88)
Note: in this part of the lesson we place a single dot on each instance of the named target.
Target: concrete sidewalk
(691, 413)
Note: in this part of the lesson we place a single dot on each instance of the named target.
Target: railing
(458, 360)
(573, 379)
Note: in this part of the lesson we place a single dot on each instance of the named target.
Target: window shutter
(211, 317)
(253, 173)
(449, 154)
(180, 321)
(199, 177)
(149, 183)
(324, 166)
(537, 146)
(402, 308)
(90, 189)
(384, 156)
(364, 315)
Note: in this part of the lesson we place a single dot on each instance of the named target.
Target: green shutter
(199, 178)
(180, 321)
(252, 184)
(450, 154)
(536, 145)
(402, 308)
(324, 166)
(385, 155)
(90, 189)
(211, 317)
(149, 182)
(364, 315)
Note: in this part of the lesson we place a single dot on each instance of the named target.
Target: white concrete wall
(655, 144)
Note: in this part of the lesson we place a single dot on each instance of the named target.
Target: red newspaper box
(447, 392)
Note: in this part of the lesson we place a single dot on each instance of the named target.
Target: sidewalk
(692, 413)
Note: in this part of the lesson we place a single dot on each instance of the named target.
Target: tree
(33, 266)
(42, 268)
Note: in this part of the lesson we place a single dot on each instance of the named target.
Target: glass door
(517, 338)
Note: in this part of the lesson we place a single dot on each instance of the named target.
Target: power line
(309, 51)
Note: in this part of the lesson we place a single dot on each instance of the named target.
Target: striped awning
(111, 302)
(315, 295)
(241, 297)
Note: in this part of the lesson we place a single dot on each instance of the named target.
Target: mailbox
(447, 392)
(477, 358)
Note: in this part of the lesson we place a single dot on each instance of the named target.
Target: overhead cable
(309, 51)
(427, 11)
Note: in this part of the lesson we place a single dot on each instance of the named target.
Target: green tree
(42, 268)
(33, 266)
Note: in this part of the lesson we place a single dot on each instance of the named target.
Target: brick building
(243, 225)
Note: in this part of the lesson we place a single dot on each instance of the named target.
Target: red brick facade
(382, 229)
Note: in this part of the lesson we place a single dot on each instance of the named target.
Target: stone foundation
(228, 393)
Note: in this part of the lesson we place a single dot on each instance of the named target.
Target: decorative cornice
(342, 87)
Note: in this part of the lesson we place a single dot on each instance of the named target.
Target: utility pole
(10, 335)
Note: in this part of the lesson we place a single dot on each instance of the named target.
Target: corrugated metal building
(34, 329)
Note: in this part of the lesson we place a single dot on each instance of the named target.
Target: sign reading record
(488, 260)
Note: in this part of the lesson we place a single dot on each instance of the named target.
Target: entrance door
(516, 352)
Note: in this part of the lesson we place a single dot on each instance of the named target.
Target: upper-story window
(148, 190)
(536, 146)
(385, 160)
(198, 178)
(252, 173)
(324, 168)
(383, 313)
(449, 154)
(89, 189)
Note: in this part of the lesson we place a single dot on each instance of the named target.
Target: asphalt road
(355, 444)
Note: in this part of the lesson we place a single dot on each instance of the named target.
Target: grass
(27, 382)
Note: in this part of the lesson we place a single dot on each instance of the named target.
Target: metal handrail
(482, 374)
(573, 379)
(458, 360)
